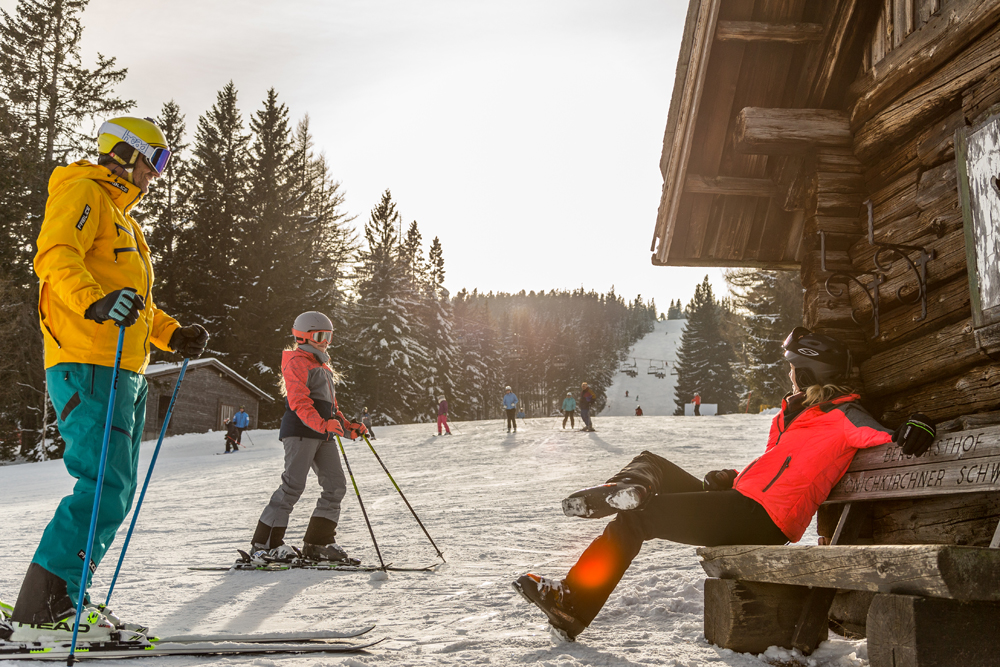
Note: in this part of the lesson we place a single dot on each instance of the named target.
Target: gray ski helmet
(310, 321)
(818, 358)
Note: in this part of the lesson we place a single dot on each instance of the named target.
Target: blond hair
(821, 393)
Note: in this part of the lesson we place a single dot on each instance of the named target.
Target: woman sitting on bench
(771, 501)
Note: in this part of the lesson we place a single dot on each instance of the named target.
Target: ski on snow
(248, 564)
(290, 637)
(111, 650)
(282, 567)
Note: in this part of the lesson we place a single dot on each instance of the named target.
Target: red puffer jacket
(806, 457)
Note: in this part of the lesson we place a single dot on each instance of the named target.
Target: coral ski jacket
(310, 399)
(90, 246)
(805, 457)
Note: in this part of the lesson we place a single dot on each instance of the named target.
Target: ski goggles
(156, 156)
(314, 336)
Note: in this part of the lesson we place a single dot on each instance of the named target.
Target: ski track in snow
(490, 500)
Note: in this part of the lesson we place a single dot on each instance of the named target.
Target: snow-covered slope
(491, 502)
(655, 395)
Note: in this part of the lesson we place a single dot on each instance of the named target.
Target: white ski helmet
(311, 321)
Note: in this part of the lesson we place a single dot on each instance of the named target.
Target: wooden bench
(914, 550)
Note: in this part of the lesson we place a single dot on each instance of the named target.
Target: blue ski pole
(145, 485)
(97, 494)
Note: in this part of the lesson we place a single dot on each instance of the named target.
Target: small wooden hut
(210, 394)
(857, 142)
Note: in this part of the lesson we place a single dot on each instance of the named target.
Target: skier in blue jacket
(510, 405)
(242, 421)
(568, 407)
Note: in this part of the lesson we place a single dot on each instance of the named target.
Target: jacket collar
(123, 194)
(323, 357)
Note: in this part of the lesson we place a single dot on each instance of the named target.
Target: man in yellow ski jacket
(95, 276)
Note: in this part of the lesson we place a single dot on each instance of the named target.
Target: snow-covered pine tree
(163, 211)
(269, 267)
(704, 358)
(326, 248)
(388, 342)
(47, 100)
(770, 303)
(442, 352)
(209, 276)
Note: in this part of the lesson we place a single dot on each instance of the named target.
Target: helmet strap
(127, 165)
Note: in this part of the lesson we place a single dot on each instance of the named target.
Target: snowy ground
(655, 395)
(491, 502)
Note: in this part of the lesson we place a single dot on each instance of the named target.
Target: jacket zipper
(784, 466)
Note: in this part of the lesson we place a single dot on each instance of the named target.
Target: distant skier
(232, 436)
(568, 408)
(638, 411)
(626, 393)
(95, 275)
(587, 399)
(822, 423)
(510, 405)
(697, 404)
(308, 427)
(443, 415)
(242, 421)
(366, 419)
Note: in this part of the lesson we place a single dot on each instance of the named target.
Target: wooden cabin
(211, 393)
(857, 142)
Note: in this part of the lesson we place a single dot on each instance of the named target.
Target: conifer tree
(389, 345)
(704, 358)
(770, 303)
(47, 98)
(442, 351)
(163, 211)
(216, 192)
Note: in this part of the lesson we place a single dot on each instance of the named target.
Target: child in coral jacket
(308, 427)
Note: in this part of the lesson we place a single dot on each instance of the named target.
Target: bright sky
(526, 134)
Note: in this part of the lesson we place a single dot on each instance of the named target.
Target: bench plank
(952, 572)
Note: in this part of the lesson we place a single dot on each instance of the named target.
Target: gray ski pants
(301, 454)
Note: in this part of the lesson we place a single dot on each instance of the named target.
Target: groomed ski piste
(490, 500)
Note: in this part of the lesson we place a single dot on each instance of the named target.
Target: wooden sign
(961, 462)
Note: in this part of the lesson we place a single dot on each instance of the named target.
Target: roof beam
(730, 185)
(761, 131)
(754, 31)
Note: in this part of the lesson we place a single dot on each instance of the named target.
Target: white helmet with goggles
(125, 139)
(312, 326)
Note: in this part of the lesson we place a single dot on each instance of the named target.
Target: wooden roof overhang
(725, 201)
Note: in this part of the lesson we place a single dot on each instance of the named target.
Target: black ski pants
(512, 419)
(679, 511)
(568, 414)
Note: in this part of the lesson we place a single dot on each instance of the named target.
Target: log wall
(904, 161)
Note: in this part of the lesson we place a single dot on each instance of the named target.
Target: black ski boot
(598, 502)
(551, 597)
(332, 552)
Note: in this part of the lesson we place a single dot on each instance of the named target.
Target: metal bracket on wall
(883, 263)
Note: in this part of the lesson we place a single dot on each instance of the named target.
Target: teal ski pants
(80, 394)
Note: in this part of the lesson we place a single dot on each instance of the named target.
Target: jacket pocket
(784, 467)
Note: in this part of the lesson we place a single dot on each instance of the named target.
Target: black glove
(719, 480)
(190, 341)
(916, 435)
(121, 306)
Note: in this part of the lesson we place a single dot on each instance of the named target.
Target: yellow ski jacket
(90, 246)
